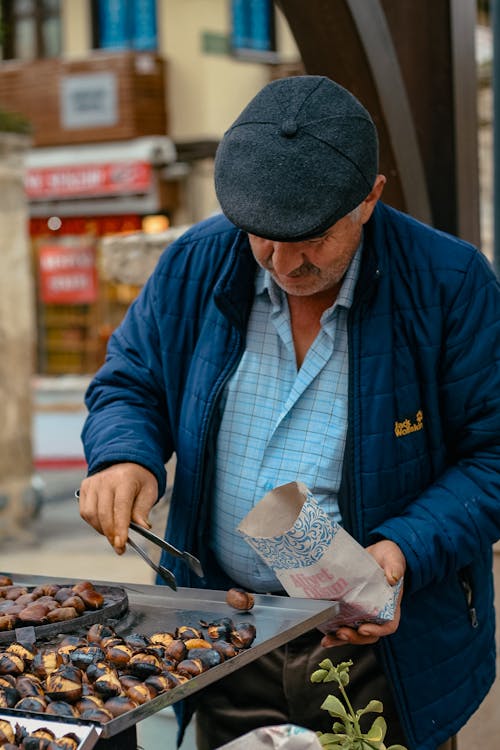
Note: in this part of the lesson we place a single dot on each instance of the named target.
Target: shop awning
(96, 177)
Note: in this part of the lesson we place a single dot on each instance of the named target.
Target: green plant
(346, 730)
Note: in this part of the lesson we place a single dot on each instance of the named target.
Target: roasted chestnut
(190, 667)
(5, 580)
(209, 657)
(91, 598)
(176, 650)
(108, 685)
(226, 649)
(45, 662)
(119, 654)
(62, 708)
(120, 704)
(33, 614)
(197, 643)
(143, 664)
(76, 602)
(185, 632)
(243, 635)
(29, 684)
(25, 650)
(101, 715)
(140, 693)
(7, 622)
(11, 664)
(68, 741)
(98, 631)
(85, 655)
(138, 641)
(89, 701)
(9, 696)
(220, 629)
(36, 703)
(64, 684)
(7, 733)
(163, 639)
(61, 614)
(240, 599)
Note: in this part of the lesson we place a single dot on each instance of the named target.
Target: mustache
(305, 269)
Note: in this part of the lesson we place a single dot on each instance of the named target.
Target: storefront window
(125, 24)
(31, 29)
(252, 26)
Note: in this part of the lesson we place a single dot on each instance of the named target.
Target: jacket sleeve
(127, 412)
(457, 518)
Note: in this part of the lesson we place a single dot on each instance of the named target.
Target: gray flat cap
(301, 155)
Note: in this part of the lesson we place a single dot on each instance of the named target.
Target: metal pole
(495, 10)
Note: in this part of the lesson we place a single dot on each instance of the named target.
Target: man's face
(311, 266)
(316, 266)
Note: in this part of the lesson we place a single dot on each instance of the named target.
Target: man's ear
(372, 198)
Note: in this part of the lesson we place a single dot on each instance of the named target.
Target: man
(314, 333)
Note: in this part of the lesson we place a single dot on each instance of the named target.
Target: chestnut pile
(18, 738)
(102, 675)
(47, 603)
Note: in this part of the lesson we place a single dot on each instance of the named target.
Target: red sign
(116, 178)
(68, 274)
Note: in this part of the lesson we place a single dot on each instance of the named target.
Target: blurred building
(127, 101)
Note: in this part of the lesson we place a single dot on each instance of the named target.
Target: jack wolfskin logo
(407, 426)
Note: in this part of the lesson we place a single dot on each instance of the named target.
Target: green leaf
(326, 664)
(329, 737)
(377, 730)
(335, 707)
(319, 675)
(375, 707)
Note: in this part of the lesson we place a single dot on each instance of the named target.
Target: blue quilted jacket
(422, 455)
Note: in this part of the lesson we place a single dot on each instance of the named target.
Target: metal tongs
(163, 572)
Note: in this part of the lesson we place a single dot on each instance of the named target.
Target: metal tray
(115, 605)
(87, 733)
(278, 620)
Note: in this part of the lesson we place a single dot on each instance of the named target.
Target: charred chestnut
(29, 684)
(98, 631)
(85, 655)
(138, 641)
(62, 708)
(220, 629)
(100, 715)
(108, 685)
(243, 635)
(143, 664)
(185, 632)
(11, 664)
(140, 693)
(64, 685)
(24, 650)
(8, 697)
(45, 662)
(120, 704)
(36, 703)
(209, 657)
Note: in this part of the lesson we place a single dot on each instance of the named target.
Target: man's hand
(110, 499)
(391, 559)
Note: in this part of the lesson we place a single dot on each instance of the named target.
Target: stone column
(17, 337)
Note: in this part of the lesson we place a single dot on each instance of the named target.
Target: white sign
(89, 100)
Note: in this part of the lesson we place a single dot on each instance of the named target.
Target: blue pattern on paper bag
(302, 545)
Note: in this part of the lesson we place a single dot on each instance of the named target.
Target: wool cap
(301, 155)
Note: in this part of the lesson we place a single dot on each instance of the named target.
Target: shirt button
(268, 486)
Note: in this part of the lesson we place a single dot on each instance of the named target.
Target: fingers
(114, 496)
(390, 557)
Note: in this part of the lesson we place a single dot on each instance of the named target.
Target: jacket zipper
(469, 597)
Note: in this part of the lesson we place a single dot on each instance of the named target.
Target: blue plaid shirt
(279, 424)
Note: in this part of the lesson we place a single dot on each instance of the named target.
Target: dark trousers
(276, 689)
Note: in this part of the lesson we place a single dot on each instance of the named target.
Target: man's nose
(287, 256)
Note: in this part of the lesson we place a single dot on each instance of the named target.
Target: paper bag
(313, 557)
